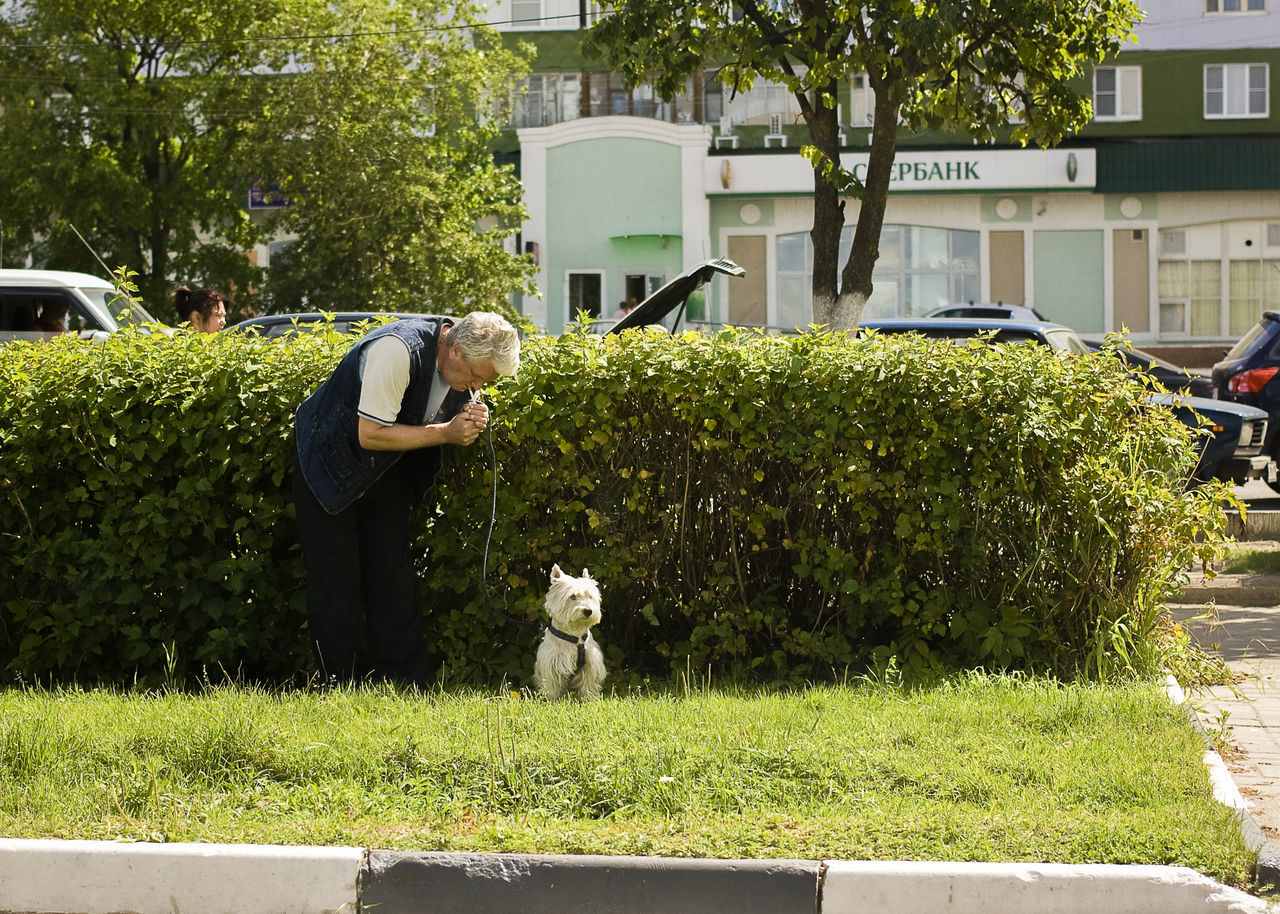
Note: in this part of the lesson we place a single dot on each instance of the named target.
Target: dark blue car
(1247, 374)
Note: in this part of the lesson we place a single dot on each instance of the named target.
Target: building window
(1117, 94)
(1235, 6)
(584, 293)
(547, 98)
(920, 268)
(1253, 287)
(862, 102)
(526, 14)
(1236, 90)
(764, 98)
(1190, 294)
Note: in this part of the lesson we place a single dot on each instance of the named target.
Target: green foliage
(143, 125)
(784, 509)
(147, 515)
(795, 507)
(382, 148)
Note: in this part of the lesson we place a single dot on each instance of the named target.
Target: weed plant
(976, 767)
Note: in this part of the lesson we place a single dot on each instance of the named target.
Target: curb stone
(1267, 870)
(100, 877)
(44, 876)
(552, 884)
(1259, 524)
(1233, 589)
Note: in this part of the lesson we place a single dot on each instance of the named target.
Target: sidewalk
(1246, 634)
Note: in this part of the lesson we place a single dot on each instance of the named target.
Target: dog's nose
(586, 613)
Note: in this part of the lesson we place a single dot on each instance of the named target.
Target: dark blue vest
(336, 468)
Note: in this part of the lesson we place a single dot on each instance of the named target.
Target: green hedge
(787, 508)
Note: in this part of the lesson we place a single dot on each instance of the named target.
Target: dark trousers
(361, 584)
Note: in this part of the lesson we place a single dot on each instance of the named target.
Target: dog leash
(581, 642)
(484, 567)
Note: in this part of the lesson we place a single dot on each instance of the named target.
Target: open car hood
(674, 294)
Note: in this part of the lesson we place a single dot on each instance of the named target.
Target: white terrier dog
(569, 658)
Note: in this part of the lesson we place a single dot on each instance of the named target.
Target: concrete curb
(88, 877)
(1233, 590)
(872, 887)
(1267, 870)
(553, 884)
(1257, 525)
(103, 877)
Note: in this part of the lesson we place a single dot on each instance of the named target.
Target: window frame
(1218, 7)
(1119, 93)
(1224, 90)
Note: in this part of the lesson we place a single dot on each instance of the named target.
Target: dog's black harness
(581, 642)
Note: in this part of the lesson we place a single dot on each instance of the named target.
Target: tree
(983, 68)
(118, 121)
(142, 124)
(382, 149)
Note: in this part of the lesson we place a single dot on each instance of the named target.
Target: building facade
(1161, 217)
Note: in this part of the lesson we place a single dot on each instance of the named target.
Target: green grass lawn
(976, 768)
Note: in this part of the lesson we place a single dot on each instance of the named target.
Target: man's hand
(463, 429)
(466, 427)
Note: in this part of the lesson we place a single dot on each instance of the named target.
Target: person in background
(204, 309)
(53, 317)
(369, 443)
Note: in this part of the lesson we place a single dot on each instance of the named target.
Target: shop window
(1190, 293)
(1236, 90)
(920, 268)
(1253, 287)
(1117, 94)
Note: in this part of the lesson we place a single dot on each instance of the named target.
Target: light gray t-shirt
(384, 377)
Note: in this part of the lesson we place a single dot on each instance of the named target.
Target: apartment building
(1162, 216)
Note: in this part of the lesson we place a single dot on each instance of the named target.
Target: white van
(34, 303)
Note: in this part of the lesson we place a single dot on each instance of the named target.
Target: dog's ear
(586, 574)
(556, 573)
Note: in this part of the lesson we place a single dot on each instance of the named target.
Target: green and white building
(1163, 216)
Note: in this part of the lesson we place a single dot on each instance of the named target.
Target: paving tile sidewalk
(1246, 634)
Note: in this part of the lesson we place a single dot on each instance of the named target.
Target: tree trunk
(828, 213)
(855, 285)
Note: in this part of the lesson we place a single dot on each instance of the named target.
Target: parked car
(1247, 374)
(1233, 451)
(273, 326)
(1003, 330)
(1173, 377)
(93, 307)
(983, 310)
